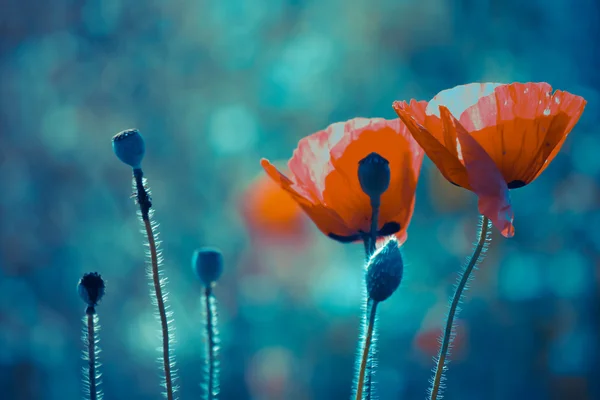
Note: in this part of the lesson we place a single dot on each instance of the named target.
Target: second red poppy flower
(324, 177)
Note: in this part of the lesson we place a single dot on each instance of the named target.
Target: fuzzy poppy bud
(384, 271)
(91, 288)
(129, 147)
(208, 264)
(374, 175)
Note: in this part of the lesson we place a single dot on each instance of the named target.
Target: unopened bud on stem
(384, 271)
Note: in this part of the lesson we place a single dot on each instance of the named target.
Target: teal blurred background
(216, 85)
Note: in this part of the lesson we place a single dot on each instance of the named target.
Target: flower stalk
(90, 340)
(446, 340)
(145, 204)
(207, 263)
(374, 177)
(91, 290)
(212, 345)
(130, 148)
(366, 357)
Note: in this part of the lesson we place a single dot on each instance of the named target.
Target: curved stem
(145, 203)
(366, 348)
(161, 308)
(211, 333)
(91, 345)
(370, 246)
(370, 362)
(484, 237)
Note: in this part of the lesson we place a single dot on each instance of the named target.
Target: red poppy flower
(270, 212)
(324, 177)
(490, 137)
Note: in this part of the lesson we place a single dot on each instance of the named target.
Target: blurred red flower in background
(490, 137)
(270, 213)
(427, 341)
(324, 181)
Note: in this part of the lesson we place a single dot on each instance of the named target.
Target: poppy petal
(520, 125)
(449, 165)
(342, 191)
(571, 109)
(449, 136)
(432, 123)
(416, 109)
(459, 98)
(484, 177)
(327, 220)
(392, 141)
(510, 125)
(310, 162)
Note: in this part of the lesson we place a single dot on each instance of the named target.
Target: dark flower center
(374, 175)
(389, 228)
(516, 184)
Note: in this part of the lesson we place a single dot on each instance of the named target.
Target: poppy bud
(91, 288)
(208, 265)
(129, 147)
(384, 271)
(374, 175)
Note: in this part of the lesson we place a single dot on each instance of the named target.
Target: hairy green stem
(370, 247)
(477, 256)
(212, 369)
(145, 204)
(91, 348)
(366, 348)
(160, 302)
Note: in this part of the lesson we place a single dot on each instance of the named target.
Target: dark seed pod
(91, 288)
(374, 175)
(207, 263)
(129, 147)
